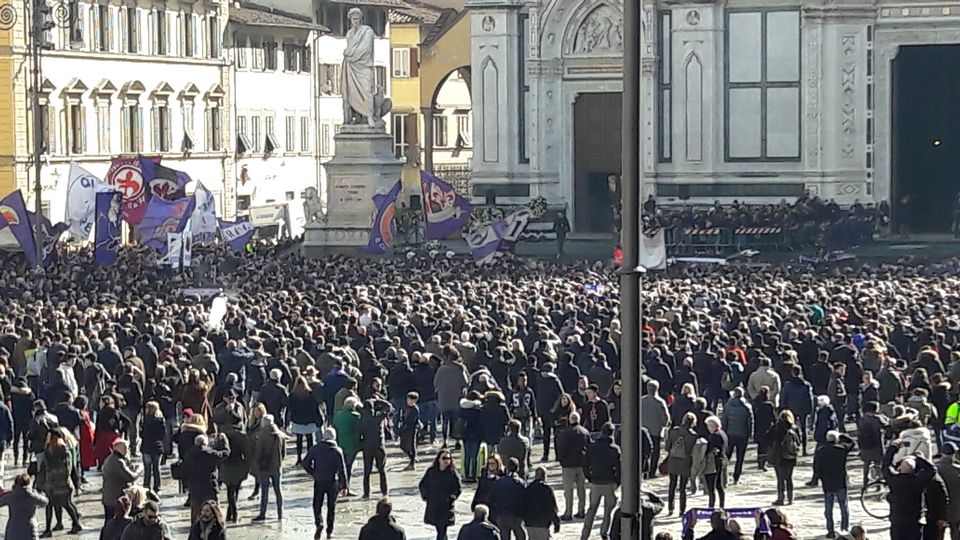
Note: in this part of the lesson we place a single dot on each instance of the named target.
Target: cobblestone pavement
(755, 489)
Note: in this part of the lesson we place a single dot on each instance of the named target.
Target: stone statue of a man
(359, 78)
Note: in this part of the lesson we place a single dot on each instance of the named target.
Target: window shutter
(125, 129)
(155, 113)
(152, 31)
(83, 129)
(197, 35)
(95, 27)
(414, 62)
(124, 30)
(51, 131)
(180, 25)
(169, 31)
(110, 27)
(64, 129)
(208, 128)
(136, 31)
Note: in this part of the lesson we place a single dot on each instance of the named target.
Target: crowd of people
(808, 221)
(129, 372)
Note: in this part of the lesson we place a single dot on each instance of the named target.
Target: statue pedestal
(362, 164)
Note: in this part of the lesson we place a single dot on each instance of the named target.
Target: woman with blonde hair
(254, 426)
(152, 432)
(304, 414)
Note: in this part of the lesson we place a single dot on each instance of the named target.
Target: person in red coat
(110, 424)
(88, 458)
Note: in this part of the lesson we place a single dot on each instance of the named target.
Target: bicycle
(873, 499)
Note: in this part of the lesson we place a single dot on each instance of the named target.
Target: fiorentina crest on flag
(445, 212)
(125, 173)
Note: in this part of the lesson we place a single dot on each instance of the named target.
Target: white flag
(82, 189)
(204, 216)
(174, 247)
(187, 240)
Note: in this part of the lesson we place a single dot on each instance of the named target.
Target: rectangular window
(188, 36)
(160, 32)
(665, 89)
(305, 60)
(270, 144)
(240, 46)
(381, 74)
(132, 129)
(290, 140)
(161, 128)
(400, 141)
(103, 27)
(243, 140)
(439, 131)
(214, 128)
(464, 129)
(74, 25)
(270, 54)
(291, 60)
(255, 133)
(332, 16)
(213, 32)
(77, 128)
(256, 49)
(304, 134)
(132, 31)
(401, 62)
(762, 83)
(330, 79)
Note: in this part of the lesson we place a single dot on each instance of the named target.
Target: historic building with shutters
(120, 78)
(760, 102)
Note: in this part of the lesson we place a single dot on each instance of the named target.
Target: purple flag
(444, 211)
(164, 182)
(51, 237)
(13, 211)
(164, 217)
(236, 233)
(485, 242)
(381, 233)
(107, 227)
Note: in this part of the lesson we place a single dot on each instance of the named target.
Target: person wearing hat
(325, 463)
(948, 467)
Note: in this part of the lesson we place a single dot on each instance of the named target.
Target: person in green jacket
(347, 424)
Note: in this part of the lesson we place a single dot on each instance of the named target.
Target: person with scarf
(209, 524)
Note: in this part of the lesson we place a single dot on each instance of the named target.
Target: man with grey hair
(118, 475)
(480, 528)
(830, 464)
(541, 507)
(655, 416)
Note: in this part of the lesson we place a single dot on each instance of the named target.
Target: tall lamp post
(630, 275)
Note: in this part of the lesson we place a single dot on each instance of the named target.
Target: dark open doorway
(596, 128)
(926, 137)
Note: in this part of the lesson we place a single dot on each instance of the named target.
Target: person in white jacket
(764, 376)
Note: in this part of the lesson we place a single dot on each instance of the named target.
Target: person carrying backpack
(784, 447)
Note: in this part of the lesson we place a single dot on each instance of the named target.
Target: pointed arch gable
(75, 87)
(133, 88)
(588, 28)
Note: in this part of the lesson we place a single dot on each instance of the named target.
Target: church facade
(740, 100)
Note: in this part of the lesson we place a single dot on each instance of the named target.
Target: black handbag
(176, 470)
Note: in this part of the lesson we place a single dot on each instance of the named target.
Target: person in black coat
(495, 419)
(152, 433)
(507, 502)
(908, 484)
(764, 418)
(201, 474)
(830, 464)
(567, 371)
(382, 526)
(21, 400)
(549, 390)
(275, 397)
(471, 418)
(440, 487)
(488, 476)
(541, 505)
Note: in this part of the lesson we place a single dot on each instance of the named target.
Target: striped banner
(758, 230)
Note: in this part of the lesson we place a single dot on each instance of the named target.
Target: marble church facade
(748, 100)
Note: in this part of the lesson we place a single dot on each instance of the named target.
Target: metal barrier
(718, 240)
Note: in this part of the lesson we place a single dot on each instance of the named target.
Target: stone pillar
(428, 137)
(496, 64)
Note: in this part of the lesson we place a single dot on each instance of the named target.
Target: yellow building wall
(10, 127)
(405, 91)
(450, 52)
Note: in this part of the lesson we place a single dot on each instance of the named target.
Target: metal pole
(35, 43)
(630, 278)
